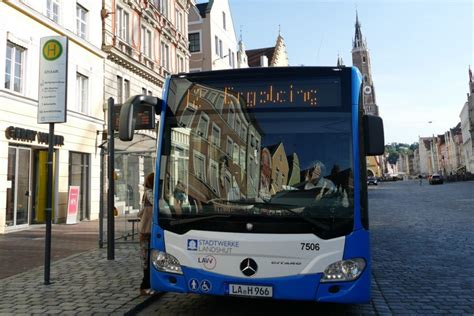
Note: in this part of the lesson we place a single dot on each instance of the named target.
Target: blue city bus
(260, 183)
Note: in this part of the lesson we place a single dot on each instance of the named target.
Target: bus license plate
(250, 290)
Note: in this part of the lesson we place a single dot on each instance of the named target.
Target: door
(18, 186)
(79, 176)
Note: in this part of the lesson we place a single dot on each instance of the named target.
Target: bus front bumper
(299, 287)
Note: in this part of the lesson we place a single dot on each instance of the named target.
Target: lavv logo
(192, 244)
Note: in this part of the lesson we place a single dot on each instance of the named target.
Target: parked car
(436, 179)
(372, 180)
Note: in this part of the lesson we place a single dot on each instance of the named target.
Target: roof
(205, 8)
(253, 55)
(273, 148)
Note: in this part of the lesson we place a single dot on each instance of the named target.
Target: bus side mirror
(138, 112)
(373, 135)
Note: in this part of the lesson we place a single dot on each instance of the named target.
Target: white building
(23, 151)
(424, 148)
(212, 40)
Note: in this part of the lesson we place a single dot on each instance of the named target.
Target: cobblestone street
(422, 246)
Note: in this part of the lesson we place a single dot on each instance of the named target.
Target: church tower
(361, 60)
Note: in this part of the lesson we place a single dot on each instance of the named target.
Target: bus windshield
(274, 151)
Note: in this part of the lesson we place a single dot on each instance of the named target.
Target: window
(165, 50)
(251, 169)
(188, 116)
(220, 103)
(363, 59)
(119, 89)
(122, 24)
(214, 175)
(200, 166)
(216, 135)
(221, 54)
(216, 39)
(181, 67)
(82, 93)
(233, 60)
(230, 147)
(143, 91)
(203, 125)
(52, 10)
(194, 42)
(237, 126)
(223, 20)
(235, 153)
(81, 21)
(230, 117)
(244, 133)
(230, 57)
(123, 89)
(145, 48)
(179, 21)
(242, 157)
(14, 64)
(126, 90)
(164, 7)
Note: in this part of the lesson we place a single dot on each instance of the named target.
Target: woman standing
(144, 228)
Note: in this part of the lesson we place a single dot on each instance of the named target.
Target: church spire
(358, 40)
(340, 62)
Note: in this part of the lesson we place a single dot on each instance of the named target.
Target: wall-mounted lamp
(105, 14)
(214, 61)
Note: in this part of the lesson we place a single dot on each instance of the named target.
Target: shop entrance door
(79, 176)
(40, 186)
(18, 186)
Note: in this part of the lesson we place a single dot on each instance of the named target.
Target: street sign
(53, 80)
(72, 205)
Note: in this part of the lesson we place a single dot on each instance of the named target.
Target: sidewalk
(82, 283)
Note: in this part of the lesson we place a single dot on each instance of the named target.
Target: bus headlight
(344, 270)
(165, 262)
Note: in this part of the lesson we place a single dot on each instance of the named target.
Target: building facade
(212, 41)
(144, 41)
(467, 127)
(23, 145)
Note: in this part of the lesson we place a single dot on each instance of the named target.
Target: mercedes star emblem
(248, 267)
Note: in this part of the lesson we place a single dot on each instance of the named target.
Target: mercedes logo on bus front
(248, 267)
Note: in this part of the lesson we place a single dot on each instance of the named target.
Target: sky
(420, 51)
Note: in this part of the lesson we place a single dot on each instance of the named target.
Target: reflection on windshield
(224, 151)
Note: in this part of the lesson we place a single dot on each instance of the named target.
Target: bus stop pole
(49, 206)
(111, 193)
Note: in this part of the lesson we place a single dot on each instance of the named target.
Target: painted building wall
(211, 27)
(23, 24)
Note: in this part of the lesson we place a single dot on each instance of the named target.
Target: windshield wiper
(196, 219)
(288, 208)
